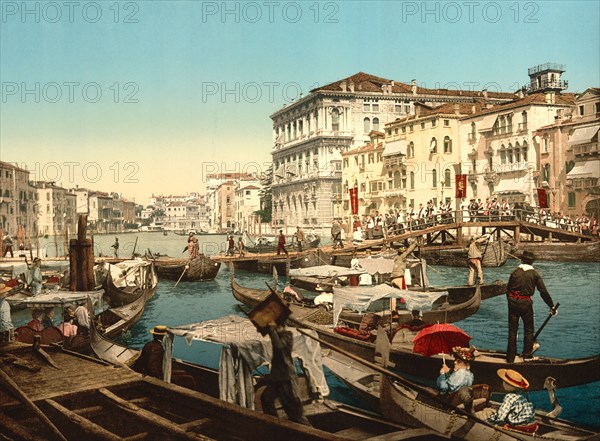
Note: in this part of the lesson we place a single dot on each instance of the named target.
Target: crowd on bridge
(398, 221)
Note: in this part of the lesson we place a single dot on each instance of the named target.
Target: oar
(23, 398)
(545, 322)
(134, 247)
(187, 265)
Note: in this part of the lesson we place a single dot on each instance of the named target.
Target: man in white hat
(6, 326)
(516, 409)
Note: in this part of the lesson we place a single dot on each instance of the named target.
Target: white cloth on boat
(359, 298)
(375, 265)
(325, 271)
(246, 349)
(326, 297)
(125, 273)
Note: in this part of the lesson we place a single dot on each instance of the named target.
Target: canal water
(573, 333)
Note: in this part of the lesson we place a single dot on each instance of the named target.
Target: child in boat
(516, 409)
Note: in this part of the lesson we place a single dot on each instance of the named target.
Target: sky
(148, 97)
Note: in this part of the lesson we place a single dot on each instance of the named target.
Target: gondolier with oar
(521, 286)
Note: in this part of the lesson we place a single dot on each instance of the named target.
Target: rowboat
(264, 245)
(405, 402)
(129, 280)
(561, 251)
(494, 254)
(111, 402)
(199, 269)
(338, 420)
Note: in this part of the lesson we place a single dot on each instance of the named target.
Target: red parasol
(439, 338)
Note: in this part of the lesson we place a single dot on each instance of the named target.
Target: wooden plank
(196, 423)
(14, 429)
(87, 426)
(151, 418)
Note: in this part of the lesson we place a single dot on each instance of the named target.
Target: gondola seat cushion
(530, 428)
(354, 333)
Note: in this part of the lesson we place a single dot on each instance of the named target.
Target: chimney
(473, 108)
(456, 109)
(485, 94)
(550, 96)
(520, 93)
(343, 86)
(413, 84)
(351, 86)
(392, 83)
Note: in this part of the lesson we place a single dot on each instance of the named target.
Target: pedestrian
(6, 327)
(7, 245)
(115, 247)
(281, 243)
(36, 277)
(299, 238)
(474, 256)
(241, 247)
(516, 409)
(521, 286)
(336, 235)
(230, 246)
(282, 379)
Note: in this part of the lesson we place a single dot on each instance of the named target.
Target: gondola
(90, 399)
(562, 251)
(494, 254)
(444, 310)
(263, 245)
(568, 372)
(199, 269)
(129, 280)
(408, 403)
(337, 419)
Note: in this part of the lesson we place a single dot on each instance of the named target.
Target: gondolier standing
(521, 286)
(474, 257)
(299, 238)
(116, 247)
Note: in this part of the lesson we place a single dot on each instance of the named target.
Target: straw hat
(465, 354)
(513, 378)
(159, 330)
(4, 288)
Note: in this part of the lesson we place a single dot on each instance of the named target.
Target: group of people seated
(75, 321)
(457, 386)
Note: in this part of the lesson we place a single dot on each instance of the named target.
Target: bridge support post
(517, 234)
(459, 235)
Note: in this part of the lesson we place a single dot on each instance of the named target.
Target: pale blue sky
(174, 62)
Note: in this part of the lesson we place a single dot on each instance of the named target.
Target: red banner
(354, 200)
(461, 186)
(542, 198)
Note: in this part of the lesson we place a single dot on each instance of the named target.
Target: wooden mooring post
(81, 257)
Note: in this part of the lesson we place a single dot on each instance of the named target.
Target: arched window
(523, 120)
(546, 173)
(412, 180)
(433, 145)
(335, 120)
(411, 150)
(434, 178)
(447, 177)
(397, 179)
(524, 151)
(502, 154)
(510, 154)
(294, 131)
(447, 144)
(473, 130)
(376, 124)
(366, 125)
(517, 152)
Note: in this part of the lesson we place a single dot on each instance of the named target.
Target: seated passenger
(35, 322)
(416, 319)
(67, 327)
(461, 378)
(516, 409)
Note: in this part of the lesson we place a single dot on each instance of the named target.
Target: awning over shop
(395, 148)
(486, 124)
(585, 169)
(583, 135)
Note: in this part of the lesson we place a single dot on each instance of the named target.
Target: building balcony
(394, 162)
(548, 85)
(393, 193)
(522, 127)
(472, 137)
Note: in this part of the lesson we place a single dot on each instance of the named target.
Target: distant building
(310, 135)
(247, 201)
(57, 209)
(18, 201)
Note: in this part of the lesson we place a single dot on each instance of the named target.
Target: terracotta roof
(9, 166)
(364, 82)
(364, 148)
(570, 122)
(250, 187)
(447, 109)
(565, 99)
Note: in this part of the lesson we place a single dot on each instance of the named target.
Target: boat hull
(200, 269)
(562, 252)
(494, 255)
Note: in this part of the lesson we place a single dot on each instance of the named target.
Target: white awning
(395, 148)
(583, 135)
(325, 271)
(513, 186)
(587, 169)
(487, 123)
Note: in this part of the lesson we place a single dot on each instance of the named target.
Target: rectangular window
(446, 123)
(356, 160)
(571, 199)
(422, 125)
(403, 129)
(345, 162)
(433, 122)
(398, 108)
(411, 128)
(366, 107)
(375, 107)
(581, 111)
